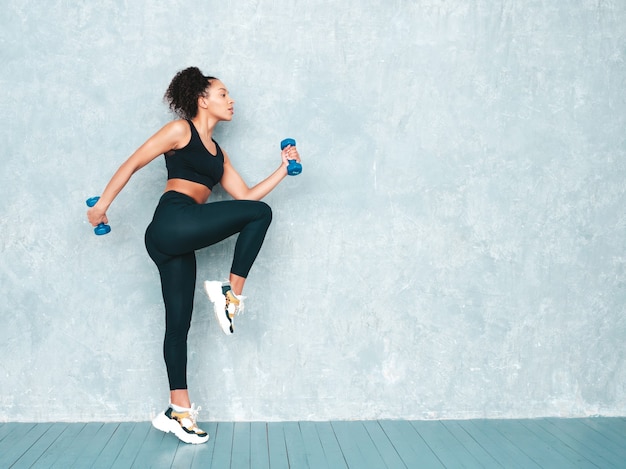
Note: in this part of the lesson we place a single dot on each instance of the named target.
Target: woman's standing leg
(178, 281)
(178, 284)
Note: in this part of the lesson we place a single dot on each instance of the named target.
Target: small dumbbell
(293, 168)
(101, 229)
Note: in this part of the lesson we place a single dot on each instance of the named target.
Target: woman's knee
(265, 211)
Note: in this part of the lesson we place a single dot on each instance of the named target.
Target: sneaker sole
(214, 292)
(166, 425)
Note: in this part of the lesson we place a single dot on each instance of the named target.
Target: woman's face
(218, 102)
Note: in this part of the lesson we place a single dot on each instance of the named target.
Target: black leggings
(181, 226)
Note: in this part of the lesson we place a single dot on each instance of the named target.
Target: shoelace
(193, 413)
(238, 308)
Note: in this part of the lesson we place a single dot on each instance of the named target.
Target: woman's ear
(203, 102)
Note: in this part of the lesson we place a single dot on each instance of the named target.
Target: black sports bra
(194, 162)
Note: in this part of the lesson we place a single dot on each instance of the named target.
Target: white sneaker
(181, 424)
(225, 304)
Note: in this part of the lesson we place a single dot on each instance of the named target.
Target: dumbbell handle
(101, 229)
(293, 168)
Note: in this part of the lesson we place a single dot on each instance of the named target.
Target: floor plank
(410, 445)
(547, 443)
(128, 452)
(584, 451)
(240, 455)
(497, 445)
(537, 449)
(48, 434)
(201, 456)
(586, 440)
(57, 448)
(6, 429)
(384, 445)
(296, 454)
(574, 459)
(330, 444)
(222, 451)
(313, 449)
(260, 457)
(444, 444)
(19, 440)
(156, 450)
(74, 450)
(479, 454)
(276, 446)
(113, 446)
(611, 431)
(34, 453)
(90, 453)
(356, 445)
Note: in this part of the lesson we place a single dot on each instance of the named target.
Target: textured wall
(454, 248)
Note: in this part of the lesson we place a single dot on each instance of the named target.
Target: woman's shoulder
(177, 129)
(173, 135)
(178, 125)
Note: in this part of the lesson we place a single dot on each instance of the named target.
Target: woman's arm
(169, 137)
(236, 187)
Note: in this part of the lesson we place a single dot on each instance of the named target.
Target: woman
(184, 223)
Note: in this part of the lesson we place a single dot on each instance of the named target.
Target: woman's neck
(204, 126)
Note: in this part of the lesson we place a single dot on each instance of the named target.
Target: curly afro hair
(184, 89)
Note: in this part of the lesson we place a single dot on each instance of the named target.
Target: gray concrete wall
(454, 247)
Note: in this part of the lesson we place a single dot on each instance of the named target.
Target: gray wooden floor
(544, 443)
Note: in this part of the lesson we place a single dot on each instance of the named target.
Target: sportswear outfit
(181, 226)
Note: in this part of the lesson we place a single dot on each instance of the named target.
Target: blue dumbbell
(293, 168)
(101, 229)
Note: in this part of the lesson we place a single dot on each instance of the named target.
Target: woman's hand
(290, 153)
(171, 135)
(235, 186)
(96, 216)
